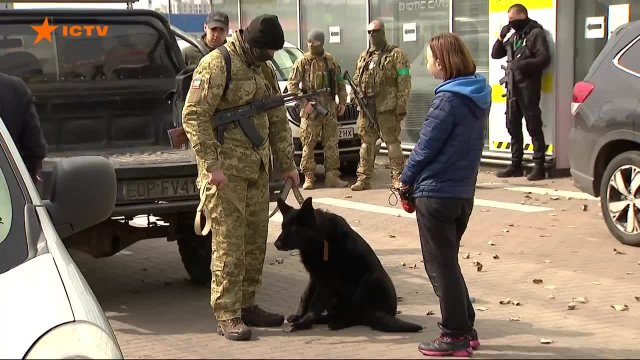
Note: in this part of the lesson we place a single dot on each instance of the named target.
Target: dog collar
(326, 251)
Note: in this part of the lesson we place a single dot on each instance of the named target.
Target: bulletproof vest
(322, 77)
(371, 73)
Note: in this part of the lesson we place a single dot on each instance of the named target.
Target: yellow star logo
(44, 31)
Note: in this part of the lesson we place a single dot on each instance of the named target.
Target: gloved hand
(505, 31)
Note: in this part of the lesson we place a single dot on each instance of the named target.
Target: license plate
(160, 189)
(345, 133)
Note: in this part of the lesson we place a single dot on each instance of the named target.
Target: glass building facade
(347, 19)
(411, 23)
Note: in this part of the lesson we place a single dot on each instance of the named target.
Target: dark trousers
(526, 104)
(441, 223)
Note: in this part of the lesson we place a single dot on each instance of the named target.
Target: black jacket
(530, 60)
(18, 112)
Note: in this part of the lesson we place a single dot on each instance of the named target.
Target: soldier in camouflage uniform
(382, 74)
(234, 175)
(317, 70)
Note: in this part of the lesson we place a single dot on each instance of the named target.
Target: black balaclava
(316, 35)
(518, 25)
(264, 33)
(378, 39)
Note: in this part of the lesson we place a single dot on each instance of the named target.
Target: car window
(13, 242)
(21, 58)
(284, 60)
(127, 51)
(630, 60)
(6, 209)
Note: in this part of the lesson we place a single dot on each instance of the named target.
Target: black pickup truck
(100, 80)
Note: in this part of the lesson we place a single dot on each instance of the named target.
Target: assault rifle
(317, 106)
(243, 116)
(508, 82)
(371, 120)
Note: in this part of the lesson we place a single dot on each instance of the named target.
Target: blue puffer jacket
(445, 162)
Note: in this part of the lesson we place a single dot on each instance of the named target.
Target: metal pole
(239, 15)
(298, 22)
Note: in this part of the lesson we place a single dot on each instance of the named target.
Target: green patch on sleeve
(403, 71)
(339, 77)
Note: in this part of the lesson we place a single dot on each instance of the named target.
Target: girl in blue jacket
(443, 169)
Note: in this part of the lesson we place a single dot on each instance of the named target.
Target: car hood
(33, 301)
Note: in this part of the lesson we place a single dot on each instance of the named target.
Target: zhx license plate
(159, 189)
(345, 132)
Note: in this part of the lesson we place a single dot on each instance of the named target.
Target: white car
(348, 138)
(47, 309)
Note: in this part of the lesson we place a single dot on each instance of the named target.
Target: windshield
(284, 60)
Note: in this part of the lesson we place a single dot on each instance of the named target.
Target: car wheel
(195, 252)
(349, 168)
(620, 197)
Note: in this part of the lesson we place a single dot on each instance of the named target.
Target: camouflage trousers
(390, 128)
(239, 216)
(325, 128)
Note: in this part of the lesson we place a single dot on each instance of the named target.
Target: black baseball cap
(218, 19)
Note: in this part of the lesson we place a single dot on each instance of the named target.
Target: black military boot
(513, 170)
(538, 173)
(256, 316)
(234, 329)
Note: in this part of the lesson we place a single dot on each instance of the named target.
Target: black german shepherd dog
(348, 285)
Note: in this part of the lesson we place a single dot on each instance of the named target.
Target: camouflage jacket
(385, 76)
(311, 72)
(237, 157)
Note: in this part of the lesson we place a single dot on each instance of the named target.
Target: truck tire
(195, 252)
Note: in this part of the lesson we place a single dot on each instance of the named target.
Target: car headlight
(75, 340)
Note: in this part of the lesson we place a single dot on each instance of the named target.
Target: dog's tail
(388, 323)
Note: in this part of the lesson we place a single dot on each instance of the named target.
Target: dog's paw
(293, 318)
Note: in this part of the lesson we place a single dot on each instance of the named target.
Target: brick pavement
(157, 314)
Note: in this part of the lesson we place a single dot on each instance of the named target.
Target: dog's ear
(284, 207)
(307, 204)
(307, 212)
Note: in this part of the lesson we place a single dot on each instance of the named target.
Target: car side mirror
(83, 194)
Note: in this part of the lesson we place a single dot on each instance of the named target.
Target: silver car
(46, 306)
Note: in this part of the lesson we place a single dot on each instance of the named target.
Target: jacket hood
(474, 87)
(532, 26)
(240, 47)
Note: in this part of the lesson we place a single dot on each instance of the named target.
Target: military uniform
(192, 54)
(384, 79)
(315, 73)
(239, 211)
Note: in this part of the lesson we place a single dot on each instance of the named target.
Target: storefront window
(471, 22)
(286, 10)
(347, 19)
(428, 18)
(588, 46)
(231, 8)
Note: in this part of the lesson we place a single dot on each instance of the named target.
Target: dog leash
(204, 196)
(202, 210)
(284, 194)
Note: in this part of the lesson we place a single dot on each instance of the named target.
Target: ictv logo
(45, 30)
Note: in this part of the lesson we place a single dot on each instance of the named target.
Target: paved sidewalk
(157, 314)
